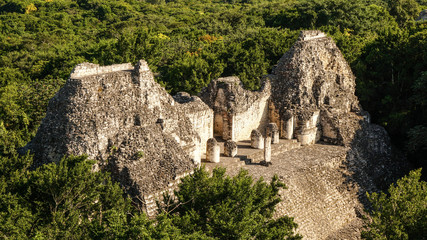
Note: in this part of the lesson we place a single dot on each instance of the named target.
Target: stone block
(257, 140)
(212, 151)
(307, 136)
(230, 148)
(272, 131)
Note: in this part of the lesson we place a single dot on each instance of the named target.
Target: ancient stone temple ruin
(119, 116)
(236, 111)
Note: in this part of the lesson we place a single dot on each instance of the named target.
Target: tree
(67, 200)
(400, 214)
(404, 10)
(224, 207)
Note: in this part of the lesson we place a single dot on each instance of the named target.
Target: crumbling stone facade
(121, 117)
(200, 116)
(313, 84)
(236, 111)
(310, 96)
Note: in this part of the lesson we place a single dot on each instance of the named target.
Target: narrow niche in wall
(137, 120)
(218, 124)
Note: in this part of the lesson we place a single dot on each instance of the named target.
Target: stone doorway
(223, 126)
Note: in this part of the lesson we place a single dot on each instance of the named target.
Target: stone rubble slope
(313, 75)
(121, 117)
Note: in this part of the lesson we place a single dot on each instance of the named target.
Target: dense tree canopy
(69, 200)
(225, 207)
(402, 213)
(187, 43)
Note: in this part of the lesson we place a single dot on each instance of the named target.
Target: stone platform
(246, 155)
(318, 189)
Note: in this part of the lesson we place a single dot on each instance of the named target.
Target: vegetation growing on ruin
(187, 43)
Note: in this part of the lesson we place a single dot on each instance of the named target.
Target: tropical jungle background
(187, 43)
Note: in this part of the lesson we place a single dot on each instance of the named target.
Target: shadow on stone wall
(372, 163)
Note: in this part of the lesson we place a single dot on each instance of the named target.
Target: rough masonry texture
(119, 116)
(313, 78)
(257, 140)
(230, 148)
(237, 111)
(272, 131)
(213, 151)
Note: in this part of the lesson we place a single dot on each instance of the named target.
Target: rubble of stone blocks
(230, 148)
(212, 151)
(257, 140)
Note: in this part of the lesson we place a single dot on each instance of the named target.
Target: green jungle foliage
(69, 200)
(187, 43)
(402, 213)
(230, 208)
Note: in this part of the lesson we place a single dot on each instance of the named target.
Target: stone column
(212, 150)
(257, 140)
(267, 150)
(289, 127)
(230, 148)
(272, 131)
(308, 132)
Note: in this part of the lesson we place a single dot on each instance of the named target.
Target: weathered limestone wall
(255, 117)
(237, 111)
(202, 122)
(87, 69)
(200, 116)
(310, 35)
